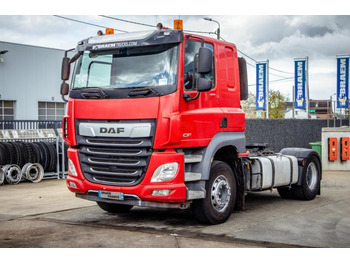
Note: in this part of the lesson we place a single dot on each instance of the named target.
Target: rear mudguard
(301, 154)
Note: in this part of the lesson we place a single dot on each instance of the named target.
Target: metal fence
(31, 124)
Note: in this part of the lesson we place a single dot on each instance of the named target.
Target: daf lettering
(111, 130)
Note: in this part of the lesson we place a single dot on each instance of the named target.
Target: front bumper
(140, 194)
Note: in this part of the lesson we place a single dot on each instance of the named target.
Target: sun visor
(135, 39)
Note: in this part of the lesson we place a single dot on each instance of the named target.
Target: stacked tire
(21, 153)
(29, 160)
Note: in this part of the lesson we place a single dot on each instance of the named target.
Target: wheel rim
(220, 194)
(311, 176)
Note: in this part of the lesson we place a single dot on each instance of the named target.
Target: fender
(220, 140)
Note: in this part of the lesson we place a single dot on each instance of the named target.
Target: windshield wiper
(145, 91)
(94, 92)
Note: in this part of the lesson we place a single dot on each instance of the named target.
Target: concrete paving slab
(267, 220)
(28, 198)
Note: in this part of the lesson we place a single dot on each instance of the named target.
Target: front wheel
(220, 197)
(114, 208)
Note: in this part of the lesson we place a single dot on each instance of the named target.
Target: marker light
(71, 168)
(161, 192)
(72, 184)
(109, 31)
(178, 24)
(165, 172)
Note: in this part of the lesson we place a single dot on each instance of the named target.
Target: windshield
(127, 68)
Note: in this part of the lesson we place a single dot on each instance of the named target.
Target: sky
(279, 35)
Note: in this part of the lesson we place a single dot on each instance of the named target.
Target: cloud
(290, 36)
(278, 38)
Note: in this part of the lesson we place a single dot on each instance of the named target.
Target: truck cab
(154, 120)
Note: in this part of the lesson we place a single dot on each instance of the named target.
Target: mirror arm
(64, 99)
(188, 98)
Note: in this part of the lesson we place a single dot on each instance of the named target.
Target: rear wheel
(310, 180)
(220, 197)
(114, 208)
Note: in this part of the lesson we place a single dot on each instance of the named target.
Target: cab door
(201, 117)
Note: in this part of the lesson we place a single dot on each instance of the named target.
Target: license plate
(111, 195)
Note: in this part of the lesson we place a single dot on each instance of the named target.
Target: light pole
(218, 30)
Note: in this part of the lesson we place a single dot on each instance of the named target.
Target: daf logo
(111, 130)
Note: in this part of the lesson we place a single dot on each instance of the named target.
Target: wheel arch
(223, 147)
(302, 154)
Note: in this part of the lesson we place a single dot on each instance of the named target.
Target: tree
(248, 106)
(277, 106)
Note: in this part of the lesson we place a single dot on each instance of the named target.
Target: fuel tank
(267, 172)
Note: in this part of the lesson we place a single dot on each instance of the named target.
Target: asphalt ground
(48, 215)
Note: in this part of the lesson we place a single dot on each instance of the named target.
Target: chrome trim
(139, 203)
(131, 130)
(193, 159)
(113, 163)
(112, 173)
(191, 176)
(114, 144)
(194, 194)
(113, 154)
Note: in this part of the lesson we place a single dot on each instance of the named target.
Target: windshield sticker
(115, 45)
(163, 82)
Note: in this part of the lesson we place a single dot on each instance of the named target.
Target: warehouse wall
(281, 133)
(30, 74)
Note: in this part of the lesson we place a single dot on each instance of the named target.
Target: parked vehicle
(154, 120)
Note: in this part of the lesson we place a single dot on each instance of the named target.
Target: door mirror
(65, 72)
(205, 60)
(203, 84)
(243, 78)
(64, 89)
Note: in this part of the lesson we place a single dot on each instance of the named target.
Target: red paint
(180, 124)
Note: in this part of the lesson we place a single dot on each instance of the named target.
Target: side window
(190, 70)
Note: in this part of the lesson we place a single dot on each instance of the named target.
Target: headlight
(71, 168)
(165, 172)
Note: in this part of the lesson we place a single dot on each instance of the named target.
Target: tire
(310, 180)
(285, 192)
(3, 158)
(114, 208)
(220, 198)
(10, 153)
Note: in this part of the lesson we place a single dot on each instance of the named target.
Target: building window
(7, 113)
(50, 110)
(7, 110)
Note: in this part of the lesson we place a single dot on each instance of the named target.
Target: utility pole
(212, 20)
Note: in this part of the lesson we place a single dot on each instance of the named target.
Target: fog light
(165, 172)
(161, 192)
(71, 168)
(72, 184)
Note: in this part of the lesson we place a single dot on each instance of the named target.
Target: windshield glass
(127, 68)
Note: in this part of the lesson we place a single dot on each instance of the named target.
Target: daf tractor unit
(154, 120)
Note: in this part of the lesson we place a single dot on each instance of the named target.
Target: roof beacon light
(109, 31)
(178, 24)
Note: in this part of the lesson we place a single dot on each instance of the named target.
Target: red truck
(154, 120)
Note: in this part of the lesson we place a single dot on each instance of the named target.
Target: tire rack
(63, 157)
(37, 135)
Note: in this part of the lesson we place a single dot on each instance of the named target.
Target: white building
(30, 79)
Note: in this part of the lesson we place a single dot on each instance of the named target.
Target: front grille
(120, 161)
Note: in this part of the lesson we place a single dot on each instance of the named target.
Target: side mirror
(64, 89)
(205, 60)
(65, 72)
(243, 78)
(203, 84)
